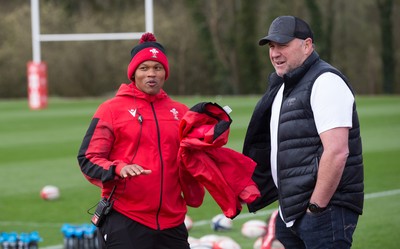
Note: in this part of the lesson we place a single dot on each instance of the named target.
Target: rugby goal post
(37, 69)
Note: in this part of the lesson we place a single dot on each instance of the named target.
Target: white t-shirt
(332, 105)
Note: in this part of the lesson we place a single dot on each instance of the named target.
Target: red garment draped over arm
(225, 173)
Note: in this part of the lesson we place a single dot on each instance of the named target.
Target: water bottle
(68, 232)
(78, 236)
(12, 240)
(34, 239)
(89, 239)
(23, 241)
(4, 240)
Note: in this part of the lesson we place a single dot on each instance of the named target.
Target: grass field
(39, 148)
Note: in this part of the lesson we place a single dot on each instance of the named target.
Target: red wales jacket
(137, 128)
(225, 173)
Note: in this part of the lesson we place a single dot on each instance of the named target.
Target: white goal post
(37, 37)
(37, 70)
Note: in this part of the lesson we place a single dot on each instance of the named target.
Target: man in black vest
(304, 135)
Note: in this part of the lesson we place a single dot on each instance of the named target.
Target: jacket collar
(295, 75)
(131, 90)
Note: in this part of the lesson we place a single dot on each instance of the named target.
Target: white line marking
(54, 247)
(382, 194)
(201, 222)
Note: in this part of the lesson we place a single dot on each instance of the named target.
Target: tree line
(212, 45)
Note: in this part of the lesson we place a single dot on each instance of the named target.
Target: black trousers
(120, 232)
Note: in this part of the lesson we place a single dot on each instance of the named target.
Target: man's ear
(308, 45)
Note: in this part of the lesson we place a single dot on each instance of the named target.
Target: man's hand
(133, 170)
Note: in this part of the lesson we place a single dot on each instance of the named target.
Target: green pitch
(38, 148)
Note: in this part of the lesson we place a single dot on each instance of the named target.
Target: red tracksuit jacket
(225, 173)
(134, 127)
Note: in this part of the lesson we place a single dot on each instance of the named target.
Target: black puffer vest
(299, 146)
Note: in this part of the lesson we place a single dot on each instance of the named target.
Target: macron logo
(132, 112)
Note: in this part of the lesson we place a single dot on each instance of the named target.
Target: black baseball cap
(285, 28)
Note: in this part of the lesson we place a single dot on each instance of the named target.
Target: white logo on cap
(154, 52)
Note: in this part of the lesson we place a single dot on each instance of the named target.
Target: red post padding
(37, 85)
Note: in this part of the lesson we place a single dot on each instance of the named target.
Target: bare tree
(385, 8)
(228, 36)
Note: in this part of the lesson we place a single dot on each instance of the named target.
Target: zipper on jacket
(162, 166)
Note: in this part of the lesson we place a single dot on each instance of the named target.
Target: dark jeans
(120, 232)
(331, 229)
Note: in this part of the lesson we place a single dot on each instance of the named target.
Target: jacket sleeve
(95, 149)
(225, 173)
(193, 192)
(257, 146)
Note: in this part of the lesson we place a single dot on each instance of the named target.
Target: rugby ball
(226, 243)
(257, 244)
(221, 223)
(188, 222)
(49, 192)
(198, 244)
(254, 228)
(276, 244)
(192, 239)
(210, 238)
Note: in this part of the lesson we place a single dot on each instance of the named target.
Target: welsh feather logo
(175, 113)
(154, 52)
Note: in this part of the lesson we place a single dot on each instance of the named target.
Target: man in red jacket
(131, 147)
